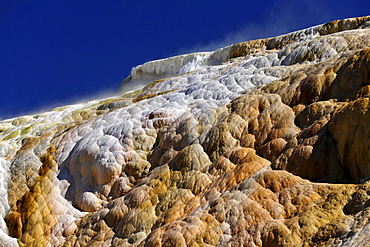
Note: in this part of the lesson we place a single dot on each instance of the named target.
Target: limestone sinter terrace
(261, 143)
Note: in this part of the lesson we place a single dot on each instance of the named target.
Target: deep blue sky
(56, 52)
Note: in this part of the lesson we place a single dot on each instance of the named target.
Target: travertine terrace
(261, 143)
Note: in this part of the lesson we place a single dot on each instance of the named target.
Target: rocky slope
(261, 143)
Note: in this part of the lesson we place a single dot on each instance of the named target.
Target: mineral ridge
(261, 143)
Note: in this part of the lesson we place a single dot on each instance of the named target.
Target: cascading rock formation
(261, 143)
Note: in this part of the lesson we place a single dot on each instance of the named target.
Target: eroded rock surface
(261, 143)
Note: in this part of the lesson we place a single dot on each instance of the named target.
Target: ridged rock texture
(261, 143)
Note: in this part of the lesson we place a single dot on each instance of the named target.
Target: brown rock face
(262, 143)
(350, 130)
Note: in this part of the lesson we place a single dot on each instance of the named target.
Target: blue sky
(59, 52)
